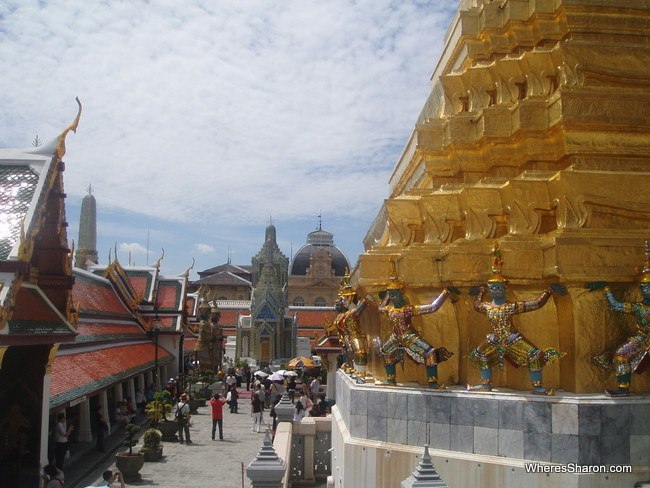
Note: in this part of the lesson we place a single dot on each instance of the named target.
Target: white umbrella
(282, 372)
(290, 373)
(276, 377)
(260, 373)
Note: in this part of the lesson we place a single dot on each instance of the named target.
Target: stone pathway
(204, 463)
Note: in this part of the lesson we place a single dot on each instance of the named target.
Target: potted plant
(152, 447)
(128, 462)
(157, 410)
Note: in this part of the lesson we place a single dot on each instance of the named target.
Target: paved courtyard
(204, 463)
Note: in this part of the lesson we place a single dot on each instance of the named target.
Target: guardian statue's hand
(595, 285)
(559, 289)
(473, 291)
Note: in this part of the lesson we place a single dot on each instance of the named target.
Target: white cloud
(204, 248)
(134, 248)
(222, 112)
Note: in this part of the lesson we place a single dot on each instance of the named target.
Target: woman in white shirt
(298, 411)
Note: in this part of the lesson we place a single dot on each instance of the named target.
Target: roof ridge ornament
(60, 144)
(157, 265)
(187, 273)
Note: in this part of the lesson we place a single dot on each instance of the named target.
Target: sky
(203, 121)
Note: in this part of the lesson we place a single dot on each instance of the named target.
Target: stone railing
(305, 448)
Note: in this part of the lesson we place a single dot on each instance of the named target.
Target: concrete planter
(152, 455)
(129, 465)
(169, 429)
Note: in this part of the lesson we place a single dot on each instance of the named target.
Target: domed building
(316, 270)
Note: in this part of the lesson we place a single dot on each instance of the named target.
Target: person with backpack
(182, 416)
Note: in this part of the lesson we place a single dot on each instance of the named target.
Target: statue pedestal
(488, 439)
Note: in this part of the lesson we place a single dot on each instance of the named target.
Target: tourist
(257, 406)
(113, 480)
(298, 411)
(314, 387)
(130, 408)
(323, 405)
(53, 477)
(182, 416)
(140, 400)
(217, 403)
(61, 436)
(148, 394)
(101, 427)
(306, 402)
(315, 410)
(274, 414)
(231, 398)
(120, 414)
(231, 381)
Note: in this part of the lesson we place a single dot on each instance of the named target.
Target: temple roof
(312, 316)
(169, 296)
(223, 278)
(243, 270)
(95, 295)
(34, 315)
(31, 190)
(81, 373)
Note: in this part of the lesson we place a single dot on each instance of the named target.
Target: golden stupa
(536, 134)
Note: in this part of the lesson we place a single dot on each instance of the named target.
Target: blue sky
(202, 120)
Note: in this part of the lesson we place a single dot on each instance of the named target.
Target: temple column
(131, 389)
(103, 401)
(85, 431)
(331, 375)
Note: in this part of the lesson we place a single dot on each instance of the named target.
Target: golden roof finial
(60, 144)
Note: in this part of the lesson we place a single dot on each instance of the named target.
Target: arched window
(299, 301)
(319, 302)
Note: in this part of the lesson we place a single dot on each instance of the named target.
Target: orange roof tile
(314, 317)
(97, 297)
(92, 331)
(168, 296)
(75, 375)
(229, 317)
